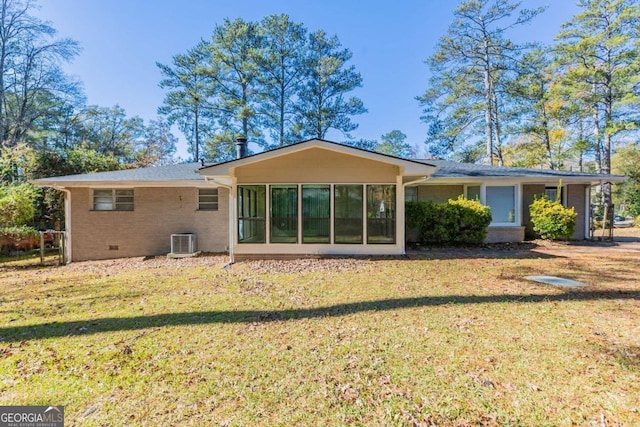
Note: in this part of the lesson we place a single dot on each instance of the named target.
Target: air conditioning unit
(184, 244)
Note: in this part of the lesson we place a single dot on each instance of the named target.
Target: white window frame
(517, 200)
(114, 205)
(466, 190)
(563, 193)
(412, 189)
(332, 186)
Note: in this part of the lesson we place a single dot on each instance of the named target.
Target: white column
(364, 215)
(332, 189)
(400, 238)
(587, 212)
(233, 217)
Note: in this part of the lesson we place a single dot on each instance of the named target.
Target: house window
(347, 214)
(207, 199)
(284, 214)
(302, 213)
(552, 194)
(316, 210)
(473, 192)
(251, 213)
(381, 214)
(502, 201)
(112, 199)
(411, 194)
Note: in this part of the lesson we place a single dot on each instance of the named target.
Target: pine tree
(328, 79)
(470, 68)
(234, 55)
(598, 54)
(188, 100)
(281, 74)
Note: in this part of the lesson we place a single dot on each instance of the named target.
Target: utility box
(184, 244)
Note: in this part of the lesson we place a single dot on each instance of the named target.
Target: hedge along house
(313, 197)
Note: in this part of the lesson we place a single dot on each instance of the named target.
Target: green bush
(551, 220)
(458, 221)
(16, 204)
(636, 222)
(473, 219)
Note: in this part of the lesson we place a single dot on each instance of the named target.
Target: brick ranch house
(313, 197)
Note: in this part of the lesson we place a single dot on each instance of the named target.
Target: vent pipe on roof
(241, 147)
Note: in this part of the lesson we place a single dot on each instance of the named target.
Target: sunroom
(316, 197)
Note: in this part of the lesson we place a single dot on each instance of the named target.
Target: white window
(111, 199)
(208, 199)
(473, 192)
(502, 201)
(411, 194)
(552, 194)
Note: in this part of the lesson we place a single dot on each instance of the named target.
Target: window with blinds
(112, 199)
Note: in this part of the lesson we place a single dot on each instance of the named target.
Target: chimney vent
(241, 147)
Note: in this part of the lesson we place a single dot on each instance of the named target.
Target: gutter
(213, 180)
(417, 181)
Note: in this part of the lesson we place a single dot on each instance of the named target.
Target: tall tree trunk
(606, 149)
(581, 152)
(496, 127)
(320, 133)
(282, 100)
(245, 119)
(196, 124)
(597, 139)
(487, 117)
(488, 98)
(545, 128)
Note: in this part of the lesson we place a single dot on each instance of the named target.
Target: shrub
(551, 220)
(12, 236)
(458, 221)
(16, 204)
(472, 219)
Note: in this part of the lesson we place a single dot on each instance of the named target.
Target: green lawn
(449, 338)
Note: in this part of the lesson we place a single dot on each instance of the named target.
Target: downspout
(67, 224)
(231, 214)
(588, 220)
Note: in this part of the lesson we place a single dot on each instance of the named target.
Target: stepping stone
(556, 281)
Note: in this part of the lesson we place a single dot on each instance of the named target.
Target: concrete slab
(556, 281)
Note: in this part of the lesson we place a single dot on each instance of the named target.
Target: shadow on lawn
(110, 324)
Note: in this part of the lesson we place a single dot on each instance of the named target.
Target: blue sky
(123, 39)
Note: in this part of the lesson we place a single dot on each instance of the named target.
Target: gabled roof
(411, 167)
(158, 175)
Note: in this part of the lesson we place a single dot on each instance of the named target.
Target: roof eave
(61, 184)
(592, 180)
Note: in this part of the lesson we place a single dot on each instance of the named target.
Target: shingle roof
(180, 172)
(448, 169)
(445, 169)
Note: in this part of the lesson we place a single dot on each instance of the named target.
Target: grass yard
(449, 337)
